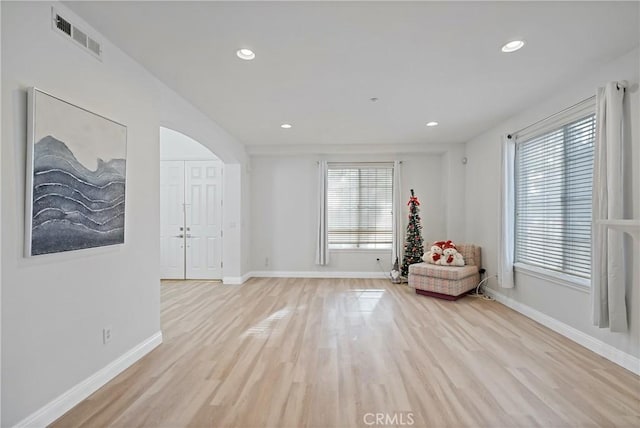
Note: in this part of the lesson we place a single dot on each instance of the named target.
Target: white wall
(565, 304)
(54, 307)
(179, 115)
(453, 188)
(284, 207)
(177, 146)
(246, 192)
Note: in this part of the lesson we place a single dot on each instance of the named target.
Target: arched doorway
(190, 209)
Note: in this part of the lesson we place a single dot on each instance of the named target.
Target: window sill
(579, 284)
(359, 250)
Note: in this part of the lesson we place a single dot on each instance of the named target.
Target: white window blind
(359, 205)
(554, 174)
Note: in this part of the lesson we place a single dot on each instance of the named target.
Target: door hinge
(221, 264)
(221, 233)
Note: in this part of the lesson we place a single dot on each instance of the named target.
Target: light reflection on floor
(364, 299)
(264, 328)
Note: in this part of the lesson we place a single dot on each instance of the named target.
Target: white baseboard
(65, 402)
(316, 274)
(247, 276)
(601, 348)
(236, 280)
(233, 280)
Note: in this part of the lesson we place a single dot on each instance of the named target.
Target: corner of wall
(454, 192)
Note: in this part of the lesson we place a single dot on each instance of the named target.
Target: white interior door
(172, 264)
(203, 208)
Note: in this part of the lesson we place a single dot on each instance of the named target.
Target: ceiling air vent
(94, 46)
(65, 28)
(80, 37)
(63, 25)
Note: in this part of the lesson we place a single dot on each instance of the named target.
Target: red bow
(413, 199)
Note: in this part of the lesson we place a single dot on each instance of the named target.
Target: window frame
(559, 123)
(360, 165)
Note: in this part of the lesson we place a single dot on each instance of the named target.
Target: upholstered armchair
(448, 282)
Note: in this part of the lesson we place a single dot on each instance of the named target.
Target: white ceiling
(318, 64)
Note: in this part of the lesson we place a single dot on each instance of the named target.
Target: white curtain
(507, 214)
(322, 245)
(398, 245)
(608, 267)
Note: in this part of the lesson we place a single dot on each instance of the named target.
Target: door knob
(179, 236)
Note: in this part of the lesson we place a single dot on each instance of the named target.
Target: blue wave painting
(73, 206)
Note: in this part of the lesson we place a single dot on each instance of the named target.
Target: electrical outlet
(106, 335)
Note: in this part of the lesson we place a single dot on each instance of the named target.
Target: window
(359, 205)
(554, 174)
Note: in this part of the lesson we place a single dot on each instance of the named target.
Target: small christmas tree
(413, 249)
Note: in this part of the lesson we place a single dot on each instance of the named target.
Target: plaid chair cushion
(471, 254)
(444, 272)
(443, 286)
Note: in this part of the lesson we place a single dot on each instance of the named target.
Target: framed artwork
(76, 177)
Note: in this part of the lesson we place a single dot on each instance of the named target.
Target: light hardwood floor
(326, 352)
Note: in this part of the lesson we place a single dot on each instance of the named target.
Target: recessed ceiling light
(246, 54)
(285, 125)
(432, 124)
(513, 46)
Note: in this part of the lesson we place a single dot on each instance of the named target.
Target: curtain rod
(510, 136)
(619, 85)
